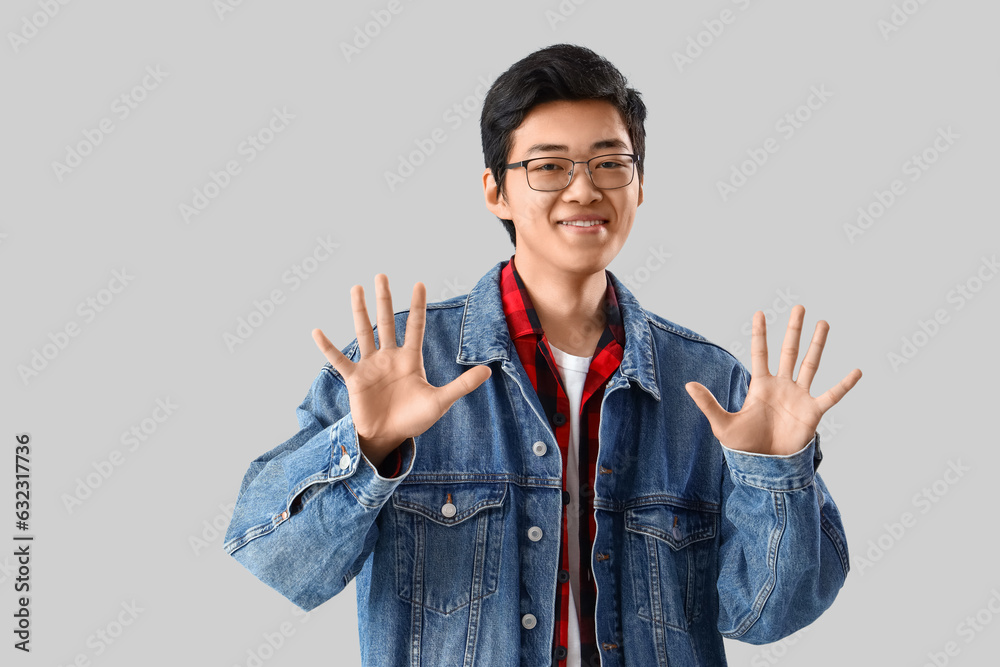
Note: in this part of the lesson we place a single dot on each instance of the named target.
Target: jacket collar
(484, 336)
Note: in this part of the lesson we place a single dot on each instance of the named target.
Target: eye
(612, 164)
(547, 165)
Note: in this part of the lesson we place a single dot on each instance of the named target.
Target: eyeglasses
(607, 172)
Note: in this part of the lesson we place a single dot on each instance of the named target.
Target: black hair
(557, 72)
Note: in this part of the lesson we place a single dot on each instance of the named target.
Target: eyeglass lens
(553, 173)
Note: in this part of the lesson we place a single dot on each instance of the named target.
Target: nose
(581, 187)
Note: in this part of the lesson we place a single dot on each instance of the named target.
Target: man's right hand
(390, 397)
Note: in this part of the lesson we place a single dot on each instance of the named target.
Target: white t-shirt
(573, 371)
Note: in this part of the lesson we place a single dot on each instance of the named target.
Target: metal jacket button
(448, 510)
(539, 448)
(345, 462)
(534, 533)
(529, 621)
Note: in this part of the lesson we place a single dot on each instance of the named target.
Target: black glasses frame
(572, 171)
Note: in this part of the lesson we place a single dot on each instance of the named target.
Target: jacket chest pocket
(448, 542)
(670, 552)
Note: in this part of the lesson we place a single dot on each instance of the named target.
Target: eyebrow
(560, 148)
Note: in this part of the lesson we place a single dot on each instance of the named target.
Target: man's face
(578, 130)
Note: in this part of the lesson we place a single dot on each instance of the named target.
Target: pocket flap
(677, 526)
(448, 504)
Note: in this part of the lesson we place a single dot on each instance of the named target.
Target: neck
(570, 306)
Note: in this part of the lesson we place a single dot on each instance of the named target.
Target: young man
(542, 472)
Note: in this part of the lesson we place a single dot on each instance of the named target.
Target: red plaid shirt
(536, 357)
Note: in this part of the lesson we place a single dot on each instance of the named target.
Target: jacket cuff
(362, 478)
(775, 472)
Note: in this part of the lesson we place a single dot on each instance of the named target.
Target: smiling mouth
(583, 223)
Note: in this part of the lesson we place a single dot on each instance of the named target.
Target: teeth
(583, 223)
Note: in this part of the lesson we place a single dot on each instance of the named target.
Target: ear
(639, 201)
(494, 202)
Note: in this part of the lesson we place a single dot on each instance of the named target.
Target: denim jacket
(455, 560)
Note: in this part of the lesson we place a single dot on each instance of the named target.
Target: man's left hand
(778, 416)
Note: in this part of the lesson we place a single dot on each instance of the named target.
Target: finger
(362, 325)
(417, 318)
(386, 318)
(710, 407)
(790, 347)
(833, 396)
(810, 363)
(462, 385)
(342, 364)
(758, 347)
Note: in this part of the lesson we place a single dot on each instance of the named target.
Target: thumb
(465, 383)
(706, 402)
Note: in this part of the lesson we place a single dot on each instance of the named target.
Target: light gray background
(135, 537)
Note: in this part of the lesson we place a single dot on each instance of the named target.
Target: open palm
(388, 391)
(779, 416)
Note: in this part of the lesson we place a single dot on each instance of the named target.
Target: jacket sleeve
(783, 553)
(304, 519)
